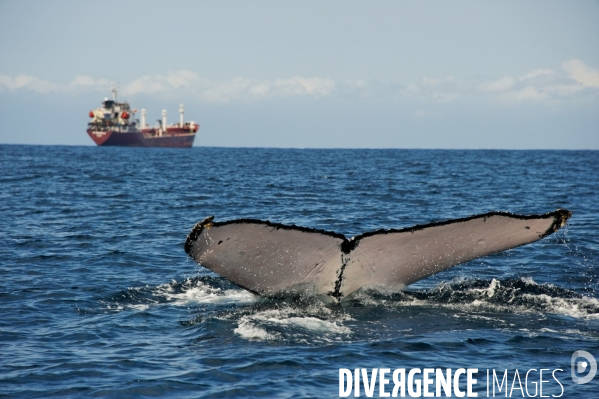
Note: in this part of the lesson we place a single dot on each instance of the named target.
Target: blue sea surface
(99, 299)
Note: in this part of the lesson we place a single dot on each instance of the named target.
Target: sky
(309, 74)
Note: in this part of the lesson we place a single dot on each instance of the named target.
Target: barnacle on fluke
(270, 258)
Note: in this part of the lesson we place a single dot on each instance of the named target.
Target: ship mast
(114, 90)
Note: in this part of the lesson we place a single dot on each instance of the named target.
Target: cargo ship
(114, 124)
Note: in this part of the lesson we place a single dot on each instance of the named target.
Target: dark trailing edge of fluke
(266, 258)
(561, 216)
(209, 222)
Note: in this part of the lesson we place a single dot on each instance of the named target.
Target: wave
(219, 306)
(522, 295)
(305, 325)
(196, 290)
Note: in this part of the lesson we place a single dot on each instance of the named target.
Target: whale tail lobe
(269, 258)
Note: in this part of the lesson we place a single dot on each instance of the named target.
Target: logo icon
(581, 366)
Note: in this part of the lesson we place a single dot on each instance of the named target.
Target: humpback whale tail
(269, 258)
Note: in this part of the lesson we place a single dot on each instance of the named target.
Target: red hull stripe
(137, 139)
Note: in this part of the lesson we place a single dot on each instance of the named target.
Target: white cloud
(544, 84)
(537, 73)
(582, 73)
(32, 83)
(298, 85)
(525, 85)
(440, 90)
(86, 83)
(161, 83)
(237, 89)
(26, 82)
(503, 84)
(576, 80)
(530, 93)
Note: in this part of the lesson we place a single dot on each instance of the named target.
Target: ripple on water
(99, 298)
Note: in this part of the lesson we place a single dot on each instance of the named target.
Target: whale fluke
(270, 258)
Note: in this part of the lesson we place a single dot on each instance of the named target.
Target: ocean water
(99, 299)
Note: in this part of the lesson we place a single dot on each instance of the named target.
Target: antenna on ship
(114, 91)
(181, 112)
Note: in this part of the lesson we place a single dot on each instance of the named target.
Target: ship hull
(139, 139)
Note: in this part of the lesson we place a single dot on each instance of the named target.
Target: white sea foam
(140, 307)
(203, 293)
(246, 329)
(284, 323)
(181, 294)
(117, 307)
(497, 296)
(517, 302)
(549, 330)
(491, 290)
(573, 307)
